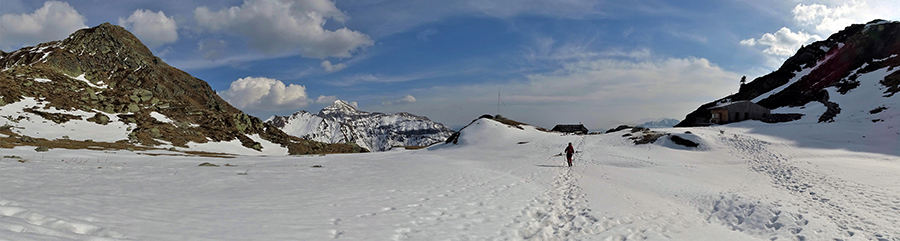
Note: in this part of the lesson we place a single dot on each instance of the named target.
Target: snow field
(33, 125)
(499, 183)
(235, 147)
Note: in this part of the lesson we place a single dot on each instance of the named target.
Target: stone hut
(737, 111)
(574, 129)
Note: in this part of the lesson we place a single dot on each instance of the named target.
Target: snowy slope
(102, 84)
(31, 124)
(498, 183)
(342, 123)
(862, 56)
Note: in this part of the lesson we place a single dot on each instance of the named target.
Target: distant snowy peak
(660, 123)
(341, 122)
(340, 107)
(281, 121)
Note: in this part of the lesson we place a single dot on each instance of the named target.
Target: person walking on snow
(569, 152)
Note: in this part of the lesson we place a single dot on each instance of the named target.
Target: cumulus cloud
(153, 29)
(814, 20)
(326, 99)
(265, 94)
(599, 91)
(749, 42)
(784, 42)
(274, 26)
(54, 21)
(332, 68)
(827, 19)
(408, 99)
(604, 79)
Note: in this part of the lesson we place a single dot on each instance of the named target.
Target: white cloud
(371, 78)
(598, 91)
(813, 21)
(425, 34)
(274, 26)
(821, 19)
(332, 68)
(153, 29)
(408, 99)
(212, 49)
(256, 94)
(326, 99)
(602, 79)
(828, 19)
(54, 21)
(784, 42)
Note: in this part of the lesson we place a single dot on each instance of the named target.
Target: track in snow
(40, 226)
(859, 211)
(560, 213)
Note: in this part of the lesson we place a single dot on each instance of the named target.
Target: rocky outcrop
(343, 123)
(835, 62)
(106, 69)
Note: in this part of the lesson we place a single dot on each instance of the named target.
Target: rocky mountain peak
(104, 74)
(106, 38)
(821, 70)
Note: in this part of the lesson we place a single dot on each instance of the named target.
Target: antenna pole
(498, 100)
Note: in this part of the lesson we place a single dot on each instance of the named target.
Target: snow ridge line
(561, 213)
(862, 212)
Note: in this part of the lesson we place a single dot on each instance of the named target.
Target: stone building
(737, 111)
(575, 129)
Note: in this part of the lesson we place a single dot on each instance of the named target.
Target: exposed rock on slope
(105, 76)
(342, 123)
(861, 54)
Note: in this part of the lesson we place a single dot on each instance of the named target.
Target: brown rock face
(107, 69)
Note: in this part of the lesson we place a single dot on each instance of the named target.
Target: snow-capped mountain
(343, 123)
(660, 123)
(852, 75)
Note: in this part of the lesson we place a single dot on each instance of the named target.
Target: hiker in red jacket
(569, 152)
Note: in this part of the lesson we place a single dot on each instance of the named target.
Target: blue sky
(601, 63)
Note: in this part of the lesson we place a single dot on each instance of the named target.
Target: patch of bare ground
(13, 139)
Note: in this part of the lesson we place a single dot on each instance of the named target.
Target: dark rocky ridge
(138, 84)
(870, 44)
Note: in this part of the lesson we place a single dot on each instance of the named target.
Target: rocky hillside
(861, 55)
(104, 80)
(342, 123)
